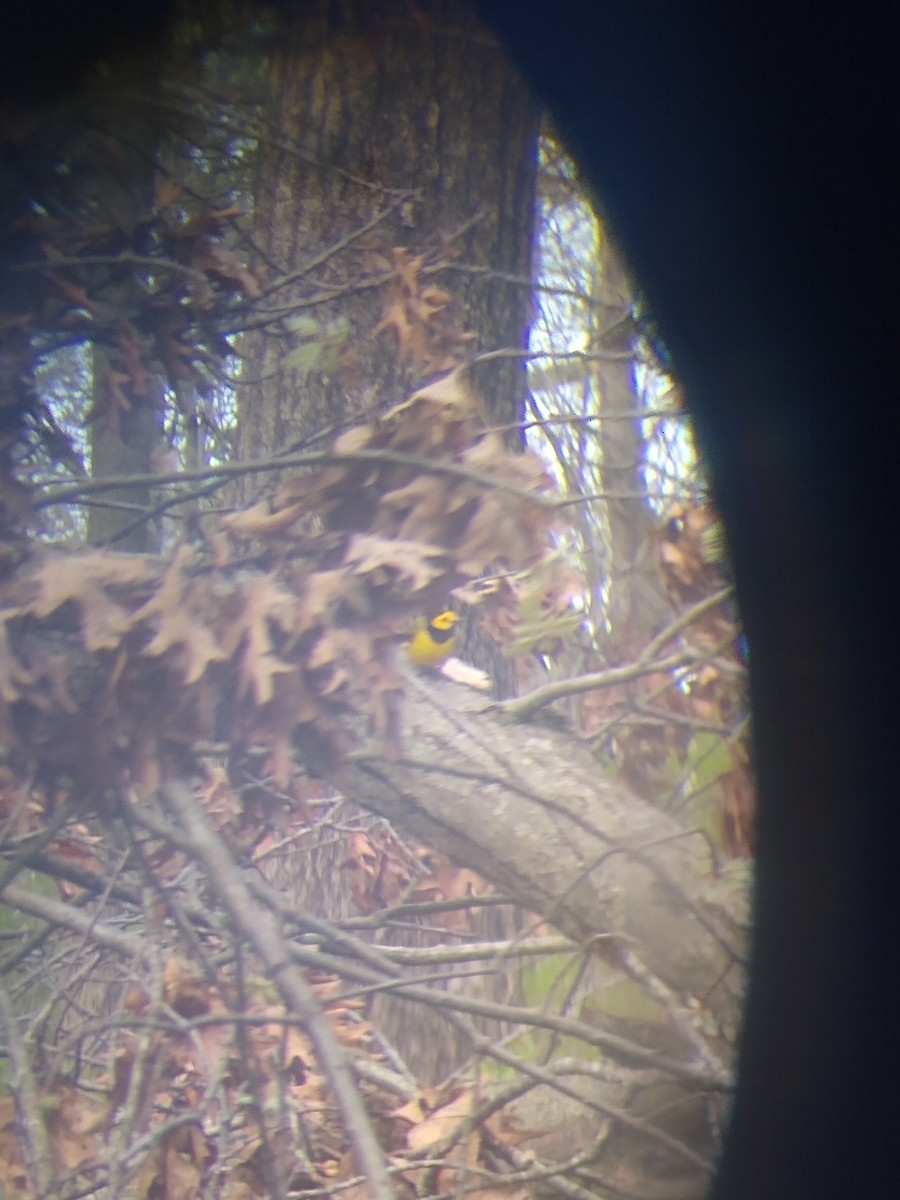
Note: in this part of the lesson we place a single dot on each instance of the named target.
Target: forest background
(303, 336)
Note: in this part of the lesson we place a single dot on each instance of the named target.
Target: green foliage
(623, 999)
(557, 984)
(548, 984)
(714, 544)
(12, 921)
(26, 989)
(709, 758)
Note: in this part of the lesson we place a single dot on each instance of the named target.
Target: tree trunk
(125, 433)
(389, 129)
(411, 111)
(637, 602)
(530, 811)
(640, 894)
(125, 446)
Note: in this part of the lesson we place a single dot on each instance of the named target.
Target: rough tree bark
(637, 602)
(527, 809)
(635, 890)
(124, 132)
(413, 113)
(409, 111)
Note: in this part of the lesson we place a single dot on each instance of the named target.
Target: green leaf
(709, 758)
(624, 998)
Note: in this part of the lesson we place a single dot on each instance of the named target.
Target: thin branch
(126, 258)
(545, 1076)
(688, 617)
(37, 842)
(680, 1018)
(67, 917)
(644, 665)
(620, 1049)
(260, 929)
(522, 707)
(587, 497)
(647, 716)
(24, 1091)
(525, 281)
(597, 418)
(386, 916)
(261, 318)
(313, 458)
(556, 356)
(477, 951)
(342, 244)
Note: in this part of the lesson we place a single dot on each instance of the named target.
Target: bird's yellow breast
(434, 641)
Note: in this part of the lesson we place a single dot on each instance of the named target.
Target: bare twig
(477, 951)
(525, 705)
(313, 458)
(258, 926)
(330, 251)
(126, 258)
(546, 1076)
(643, 665)
(688, 617)
(620, 1049)
(68, 917)
(24, 1091)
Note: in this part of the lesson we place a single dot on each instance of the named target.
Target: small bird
(433, 641)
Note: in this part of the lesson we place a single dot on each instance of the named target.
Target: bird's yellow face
(433, 642)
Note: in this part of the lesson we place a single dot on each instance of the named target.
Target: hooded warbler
(433, 641)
